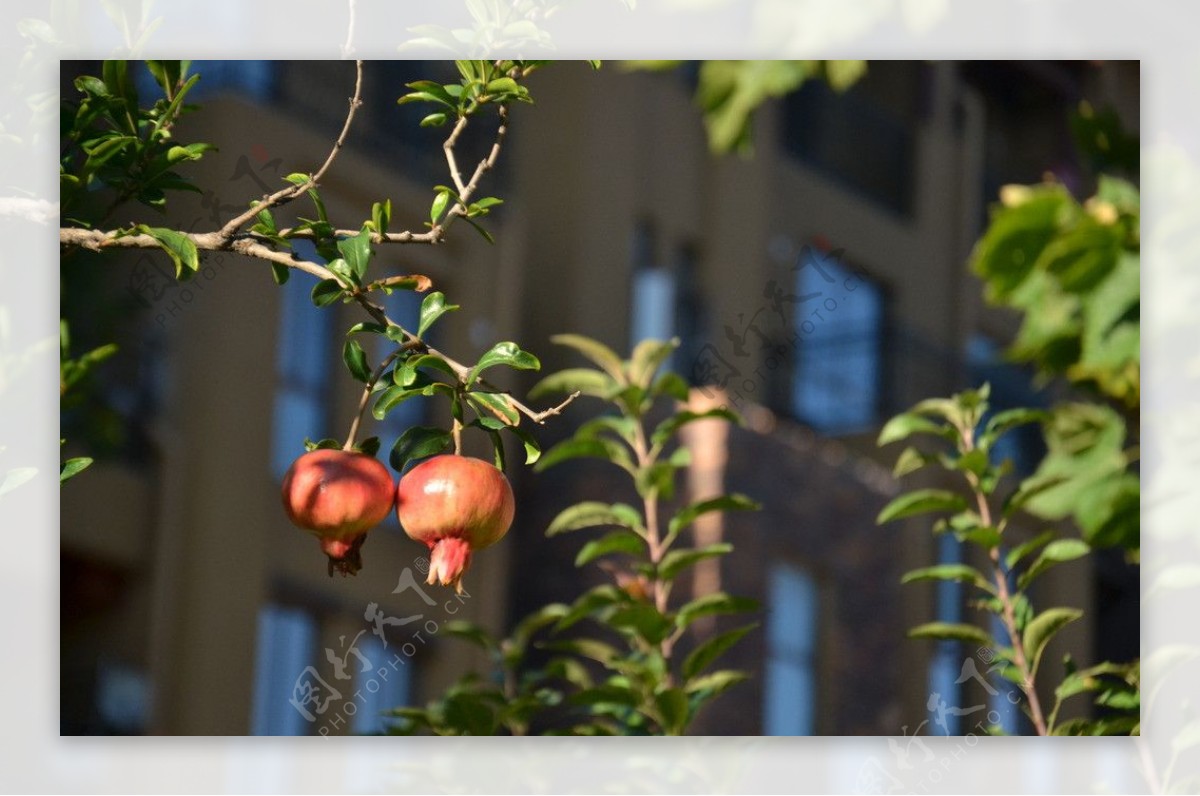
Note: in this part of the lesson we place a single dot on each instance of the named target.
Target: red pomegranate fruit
(338, 495)
(455, 505)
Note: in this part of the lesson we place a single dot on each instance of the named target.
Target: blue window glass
(790, 683)
(302, 370)
(838, 321)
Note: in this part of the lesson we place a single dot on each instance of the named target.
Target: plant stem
(456, 431)
(366, 396)
(1008, 613)
(659, 590)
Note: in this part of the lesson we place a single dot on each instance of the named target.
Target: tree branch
(285, 195)
(250, 244)
(451, 160)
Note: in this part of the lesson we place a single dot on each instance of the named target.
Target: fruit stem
(456, 432)
(368, 388)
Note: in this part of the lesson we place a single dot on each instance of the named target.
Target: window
(666, 301)
(303, 371)
(790, 685)
(652, 305)
(837, 320)
(862, 138)
(287, 645)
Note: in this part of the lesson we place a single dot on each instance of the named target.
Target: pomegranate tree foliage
(605, 664)
(1073, 270)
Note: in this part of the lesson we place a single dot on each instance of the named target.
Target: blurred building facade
(817, 287)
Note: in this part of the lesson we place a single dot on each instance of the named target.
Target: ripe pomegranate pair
(453, 504)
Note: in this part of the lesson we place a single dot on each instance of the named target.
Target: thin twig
(366, 396)
(451, 160)
(285, 195)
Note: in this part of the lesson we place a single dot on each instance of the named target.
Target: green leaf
(672, 704)
(657, 478)
(497, 404)
(70, 468)
(478, 228)
(381, 216)
(905, 425)
(356, 250)
(179, 246)
(621, 541)
(502, 85)
(280, 273)
(623, 427)
(506, 353)
(710, 604)
(841, 75)
(166, 73)
(122, 86)
(326, 292)
(608, 694)
(910, 460)
(433, 307)
(497, 448)
(533, 451)
(417, 443)
(954, 572)
(1005, 421)
(434, 120)
(583, 380)
(595, 447)
(369, 446)
(590, 514)
(642, 619)
(668, 427)
(921, 501)
(595, 351)
(392, 397)
(590, 603)
(671, 384)
(647, 357)
(1057, 552)
(676, 561)
(1029, 489)
(356, 361)
(1042, 629)
(688, 514)
(713, 685)
(440, 202)
(708, 652)
(487, 202)
(407, 372)
(947, 631)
